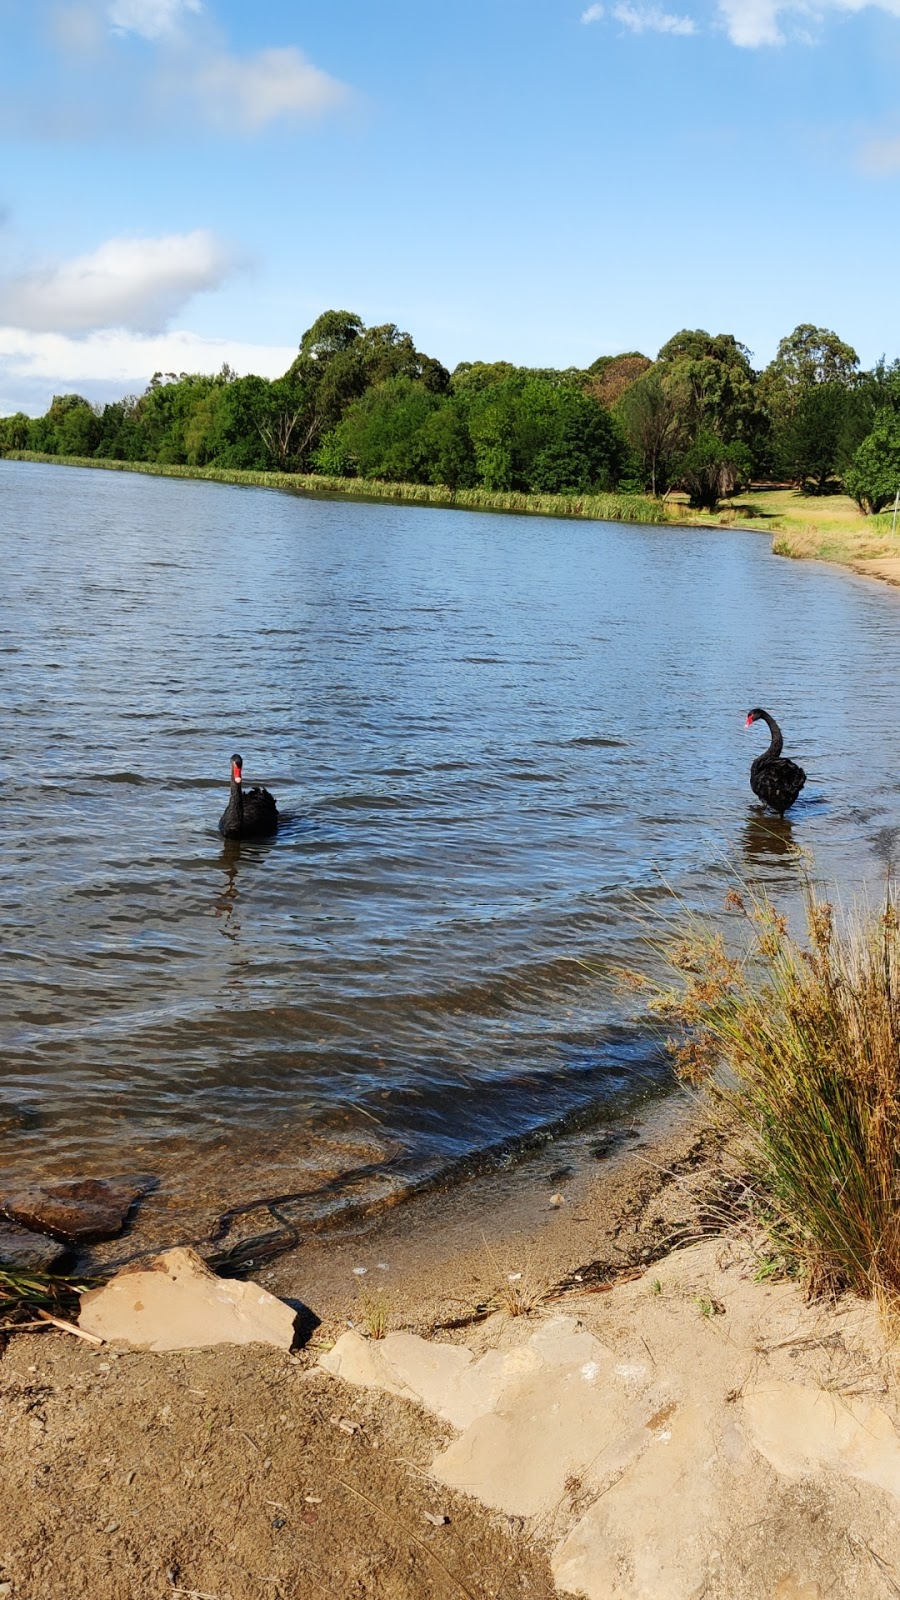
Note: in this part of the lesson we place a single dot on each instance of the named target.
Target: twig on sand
(69, 1327)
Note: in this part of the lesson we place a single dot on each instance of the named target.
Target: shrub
(801, 1039)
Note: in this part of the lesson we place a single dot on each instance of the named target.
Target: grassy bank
(820, 527)
(593, 507)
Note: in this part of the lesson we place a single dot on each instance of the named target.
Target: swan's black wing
(260, 813)
(776, 783)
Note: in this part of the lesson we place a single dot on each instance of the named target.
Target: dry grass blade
(518, 1293)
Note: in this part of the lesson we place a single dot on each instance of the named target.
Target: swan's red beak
(749, 722)
(236, 773)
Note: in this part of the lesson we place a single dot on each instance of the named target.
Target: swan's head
(753, 716)
(237, 763)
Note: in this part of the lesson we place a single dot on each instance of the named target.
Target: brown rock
(174, 1302)
(78, 1209)
(27, 1252)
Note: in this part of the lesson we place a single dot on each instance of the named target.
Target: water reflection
(768, 838)
(226, 899)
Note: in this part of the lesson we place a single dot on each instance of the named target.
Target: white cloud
(752, 23)
(151, 19)
(112, 363)
(249, 92)
(185, 74)
(642, 18)
(650, 19)
(130, 283)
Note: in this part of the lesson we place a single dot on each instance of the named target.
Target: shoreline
(864, 548)
(133, 1474)
(633, 1349)
(576, 1205)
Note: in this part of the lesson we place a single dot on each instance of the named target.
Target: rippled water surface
(494, 739)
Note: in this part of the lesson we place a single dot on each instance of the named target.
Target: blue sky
(540, 181)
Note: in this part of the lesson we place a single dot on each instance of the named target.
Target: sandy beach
(232, 1474)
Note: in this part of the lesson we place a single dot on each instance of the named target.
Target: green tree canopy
(806, 357)
(711, 382)
(654, 429)
(873, 478)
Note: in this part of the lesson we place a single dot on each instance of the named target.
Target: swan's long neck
(776, 742)
(235, 812)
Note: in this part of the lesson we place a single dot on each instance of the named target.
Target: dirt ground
(243, 1474)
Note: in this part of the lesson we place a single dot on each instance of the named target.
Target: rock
(174, 1302)
(26, 1251)
(625, 1529)
(800, 1430)
(78, 1210)
(549, 1382)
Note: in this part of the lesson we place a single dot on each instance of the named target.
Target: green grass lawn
(826, 527)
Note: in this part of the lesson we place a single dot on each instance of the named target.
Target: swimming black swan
(247, 816)
(774, 779)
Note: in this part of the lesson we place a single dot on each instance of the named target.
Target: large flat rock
(174, 1302)
(78, 1210)
(801, 1430)
(693, 1435)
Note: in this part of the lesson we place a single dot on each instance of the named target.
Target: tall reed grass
(593, 507)
(799, 1037)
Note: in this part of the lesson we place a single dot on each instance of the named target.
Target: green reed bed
(25, 1295)
(799, 1037)
(593, 507)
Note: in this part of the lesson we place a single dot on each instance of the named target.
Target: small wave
(598, 741)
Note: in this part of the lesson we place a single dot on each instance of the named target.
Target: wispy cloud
(127, 283)
(753, 23)
(651, 19)
(141, 66)
(750, 24)
(151, 19)
(641, 18)
(252, 91)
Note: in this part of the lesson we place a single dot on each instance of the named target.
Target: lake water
(496, 741)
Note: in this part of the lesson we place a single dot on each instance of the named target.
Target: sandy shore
(227, 1473)
(656, 1421)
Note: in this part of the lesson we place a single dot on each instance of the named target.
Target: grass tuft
(375, 1311)
(22, 1294)
(799, 1037)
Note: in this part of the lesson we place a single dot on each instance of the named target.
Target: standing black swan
(247, 816)
(774, 779)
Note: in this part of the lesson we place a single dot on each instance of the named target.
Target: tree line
(362, 402)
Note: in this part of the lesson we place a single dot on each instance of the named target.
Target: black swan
(247, 816)
(774, 779)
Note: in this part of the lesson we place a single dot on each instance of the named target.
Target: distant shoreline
(802, 527)
(591, 507)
